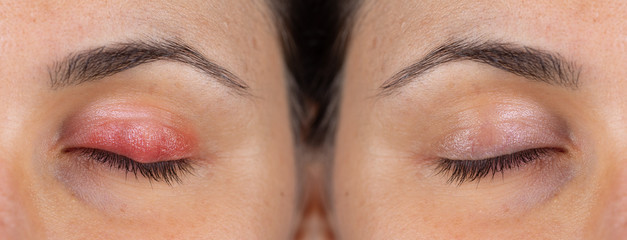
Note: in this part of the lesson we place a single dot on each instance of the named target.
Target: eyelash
(166, 171)
(462, 171)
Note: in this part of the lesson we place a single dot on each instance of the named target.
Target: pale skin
(242, 185)
(389, 145)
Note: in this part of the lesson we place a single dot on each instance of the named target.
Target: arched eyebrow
(97, 63)
(531, 63)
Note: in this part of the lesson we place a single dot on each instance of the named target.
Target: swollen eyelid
(145, 137)
(142, 141)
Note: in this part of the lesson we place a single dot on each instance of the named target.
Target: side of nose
(611, 213)
(613, 220)
(14, 219)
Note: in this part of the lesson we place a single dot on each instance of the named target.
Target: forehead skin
(398, 32)
(226, 31)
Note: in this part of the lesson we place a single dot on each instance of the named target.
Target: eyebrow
(97, 63)
(531, 63)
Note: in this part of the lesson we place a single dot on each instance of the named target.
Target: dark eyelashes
(461, 171)
(167, 171)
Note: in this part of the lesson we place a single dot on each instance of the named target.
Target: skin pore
(483, 120)
(144, 120)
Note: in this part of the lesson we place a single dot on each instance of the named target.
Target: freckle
(153, 88)
(476, 89)
(254, 42)
(282, 194)
(374, 42)
(346, 194)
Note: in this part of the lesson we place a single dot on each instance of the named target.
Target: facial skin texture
(386, 183)
(238, 141)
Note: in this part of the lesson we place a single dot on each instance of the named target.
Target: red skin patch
(144, 136)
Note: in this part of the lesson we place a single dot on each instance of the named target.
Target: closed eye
(164, 171)
(461, 171)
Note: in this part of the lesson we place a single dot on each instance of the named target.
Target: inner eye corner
(561, 150)
(72, 149)
(555, 150)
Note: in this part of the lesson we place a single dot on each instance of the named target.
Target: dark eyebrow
(533, 64)
(97, 63)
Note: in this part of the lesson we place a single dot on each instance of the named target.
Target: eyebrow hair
(531, 63)
(97, 63)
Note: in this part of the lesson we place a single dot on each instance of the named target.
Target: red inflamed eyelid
(143, 140)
